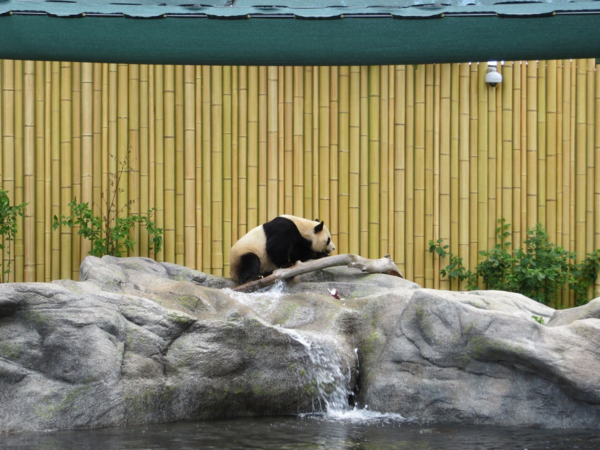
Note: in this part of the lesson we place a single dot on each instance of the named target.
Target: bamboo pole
(133, 139)
(463, 246)
(374, 161)
(532, 145)
(298, 142)
(492, 164)
(354, 167)
(281, 85)
(272, 156)
(111, 205)
(263, 145)
(226, 168)
(243, 152)
(122, 149)
(524, 152)
(436, 171)
(65, 167)
(581, 160)
(17, 272)
(566, 166)
(97, 138)
(541, 142)
(454, 164)
(445, 164)
(87, 155)
(384, 239)
(324, 145)
(573, 163)
(344, 161)
(559, 154)
(479, 171)
(597, 171)
(507, 144)
(40, 166)
(419, 179)
(49, 240)
(169, 163)
(364, 160)
(179, 168)
(190, 165)
(399, 169)
(288, 141)
(76, 255)
(207, 172)
(391, 164)
(550, 174)
(333, 176)
(200, 147)
(217, 169)
(308, 143)
(152, 147)
(410, 173)
(429, 188)
(516, 144)
(160, 174)
(144, 160)
(8, 157)
(235, 127)
(315, 136)
(29, 156)
(499, 149)
(589, 217)
(253, 157)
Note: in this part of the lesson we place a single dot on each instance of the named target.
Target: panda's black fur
(275, 244)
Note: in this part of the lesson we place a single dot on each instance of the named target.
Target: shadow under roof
(296, 32)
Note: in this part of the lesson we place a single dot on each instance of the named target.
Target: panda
(279, 243)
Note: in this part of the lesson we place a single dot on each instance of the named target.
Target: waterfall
(329, 384)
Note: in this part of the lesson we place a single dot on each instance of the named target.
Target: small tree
(108, 233)
(8, 226)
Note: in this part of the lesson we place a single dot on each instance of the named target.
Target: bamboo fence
(390, 157)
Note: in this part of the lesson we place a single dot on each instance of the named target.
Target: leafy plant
(455, 268)
(108, 233)
(540, 270)
(8, 225)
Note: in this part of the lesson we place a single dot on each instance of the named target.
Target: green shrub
(110, 234)
(8, 225)
(540, 270)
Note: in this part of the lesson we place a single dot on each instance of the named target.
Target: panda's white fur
(281, 238)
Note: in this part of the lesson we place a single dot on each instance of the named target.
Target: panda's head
(322, 243)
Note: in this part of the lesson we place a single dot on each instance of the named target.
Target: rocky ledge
(138, 341)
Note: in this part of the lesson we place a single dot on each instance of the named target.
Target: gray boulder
(136, 341)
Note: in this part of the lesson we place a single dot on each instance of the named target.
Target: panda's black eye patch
(328, 241)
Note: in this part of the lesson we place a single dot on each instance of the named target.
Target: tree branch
(383, 265)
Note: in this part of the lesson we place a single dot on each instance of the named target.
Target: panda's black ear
(317, 220)
(319, 227)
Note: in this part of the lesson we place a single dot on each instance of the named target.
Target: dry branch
(383, 265)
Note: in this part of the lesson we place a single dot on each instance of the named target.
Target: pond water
(378, 432)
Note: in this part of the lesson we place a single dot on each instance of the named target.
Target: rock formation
(136, 341)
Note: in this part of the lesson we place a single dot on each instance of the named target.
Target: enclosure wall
(390, 157)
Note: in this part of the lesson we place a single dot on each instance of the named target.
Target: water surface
(312, 432)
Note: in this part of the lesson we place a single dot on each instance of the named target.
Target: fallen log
(382, 265)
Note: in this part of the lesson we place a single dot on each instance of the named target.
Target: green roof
(295, 32)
